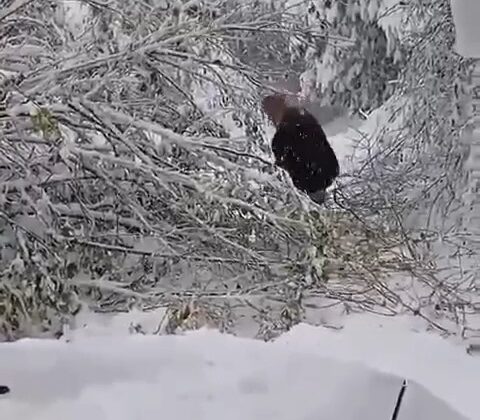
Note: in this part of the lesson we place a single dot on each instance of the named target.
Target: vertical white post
(472, 140)
(466, 15)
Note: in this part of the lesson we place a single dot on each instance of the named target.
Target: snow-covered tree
(358, 61)
(413, 178)
(427, 115)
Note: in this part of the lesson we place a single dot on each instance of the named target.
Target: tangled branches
(126, 138)
(413, 176)
(134, 171)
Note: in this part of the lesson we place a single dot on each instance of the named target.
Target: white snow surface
(349, 136)
(103, 372)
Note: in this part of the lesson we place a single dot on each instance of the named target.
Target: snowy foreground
(310, 373)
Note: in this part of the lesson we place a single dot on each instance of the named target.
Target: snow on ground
(343, 142)
(349, 143)
(391, 346)
(104, 373)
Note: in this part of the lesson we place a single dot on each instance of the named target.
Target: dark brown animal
(300, 146)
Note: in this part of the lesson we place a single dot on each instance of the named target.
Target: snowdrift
(202, 375)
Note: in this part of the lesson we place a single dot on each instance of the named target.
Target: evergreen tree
(359, 59)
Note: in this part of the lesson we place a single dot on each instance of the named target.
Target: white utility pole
(466, 15)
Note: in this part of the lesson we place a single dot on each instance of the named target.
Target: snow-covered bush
(412, 179)
(134, 168)
(419, 154)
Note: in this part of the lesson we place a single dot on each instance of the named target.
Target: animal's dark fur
(300, 146)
